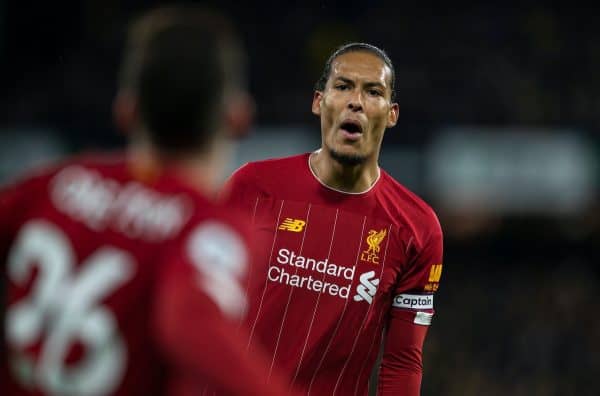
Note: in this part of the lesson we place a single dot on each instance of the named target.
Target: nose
(355, 102)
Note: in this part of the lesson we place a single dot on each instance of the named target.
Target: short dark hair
(180, 61)
(356, 47)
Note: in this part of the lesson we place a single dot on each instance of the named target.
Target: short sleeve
(415, 290)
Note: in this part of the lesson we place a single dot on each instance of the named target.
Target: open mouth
(351, 126)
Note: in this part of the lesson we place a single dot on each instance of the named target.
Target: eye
(375, 92)
(342, 87)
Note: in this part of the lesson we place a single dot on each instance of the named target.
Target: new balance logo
(367, 288)
(294, 225)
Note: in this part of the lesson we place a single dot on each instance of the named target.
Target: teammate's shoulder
(207, 209)
(97, 161)
(42, 173)
(273, 165)
(100, 161)
(214, 217)
(413, 205)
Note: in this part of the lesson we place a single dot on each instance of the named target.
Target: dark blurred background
(499, 131)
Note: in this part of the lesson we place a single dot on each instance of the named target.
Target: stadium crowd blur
(499, 131)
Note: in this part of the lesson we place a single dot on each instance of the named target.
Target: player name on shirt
(129, 208)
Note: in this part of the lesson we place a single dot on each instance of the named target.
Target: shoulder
(212, 212)
(217, 238)
(109, 164)
(38, 176)
(273, 166)
(98, 163)
(413, 209)
(213, 252)
(267, 174)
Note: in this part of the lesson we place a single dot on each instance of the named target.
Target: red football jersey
(341, 268)
(116, 285)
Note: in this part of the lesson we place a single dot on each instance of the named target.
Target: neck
(201, 171)
(348, 178)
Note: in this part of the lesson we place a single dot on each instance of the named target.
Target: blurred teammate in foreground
(121, 277)
(352, 256)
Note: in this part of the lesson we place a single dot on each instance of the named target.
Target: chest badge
(374, 240)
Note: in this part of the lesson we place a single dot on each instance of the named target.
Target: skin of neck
(348, 178)
(201, 170)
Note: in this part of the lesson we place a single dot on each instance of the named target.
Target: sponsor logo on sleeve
(293, 225)
(435, 273)
(374, 240)
(220, 256)
(413, 301)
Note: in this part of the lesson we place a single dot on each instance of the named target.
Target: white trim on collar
(335, 189)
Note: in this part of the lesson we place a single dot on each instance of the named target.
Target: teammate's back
(84, 243)
(121, 277)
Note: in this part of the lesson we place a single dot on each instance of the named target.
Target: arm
(197, 315)
(410, 316)
(401, 366)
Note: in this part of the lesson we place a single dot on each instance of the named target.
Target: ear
(316, 103)
(239, 115)
(393, 115)
(125, 112)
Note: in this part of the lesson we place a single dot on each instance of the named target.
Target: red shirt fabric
(117, 284)
(340, 268)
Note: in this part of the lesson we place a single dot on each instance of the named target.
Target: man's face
(355, 107)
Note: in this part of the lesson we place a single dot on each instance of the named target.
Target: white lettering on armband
(413, 301)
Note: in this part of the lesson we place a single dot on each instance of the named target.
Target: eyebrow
(368, 83)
